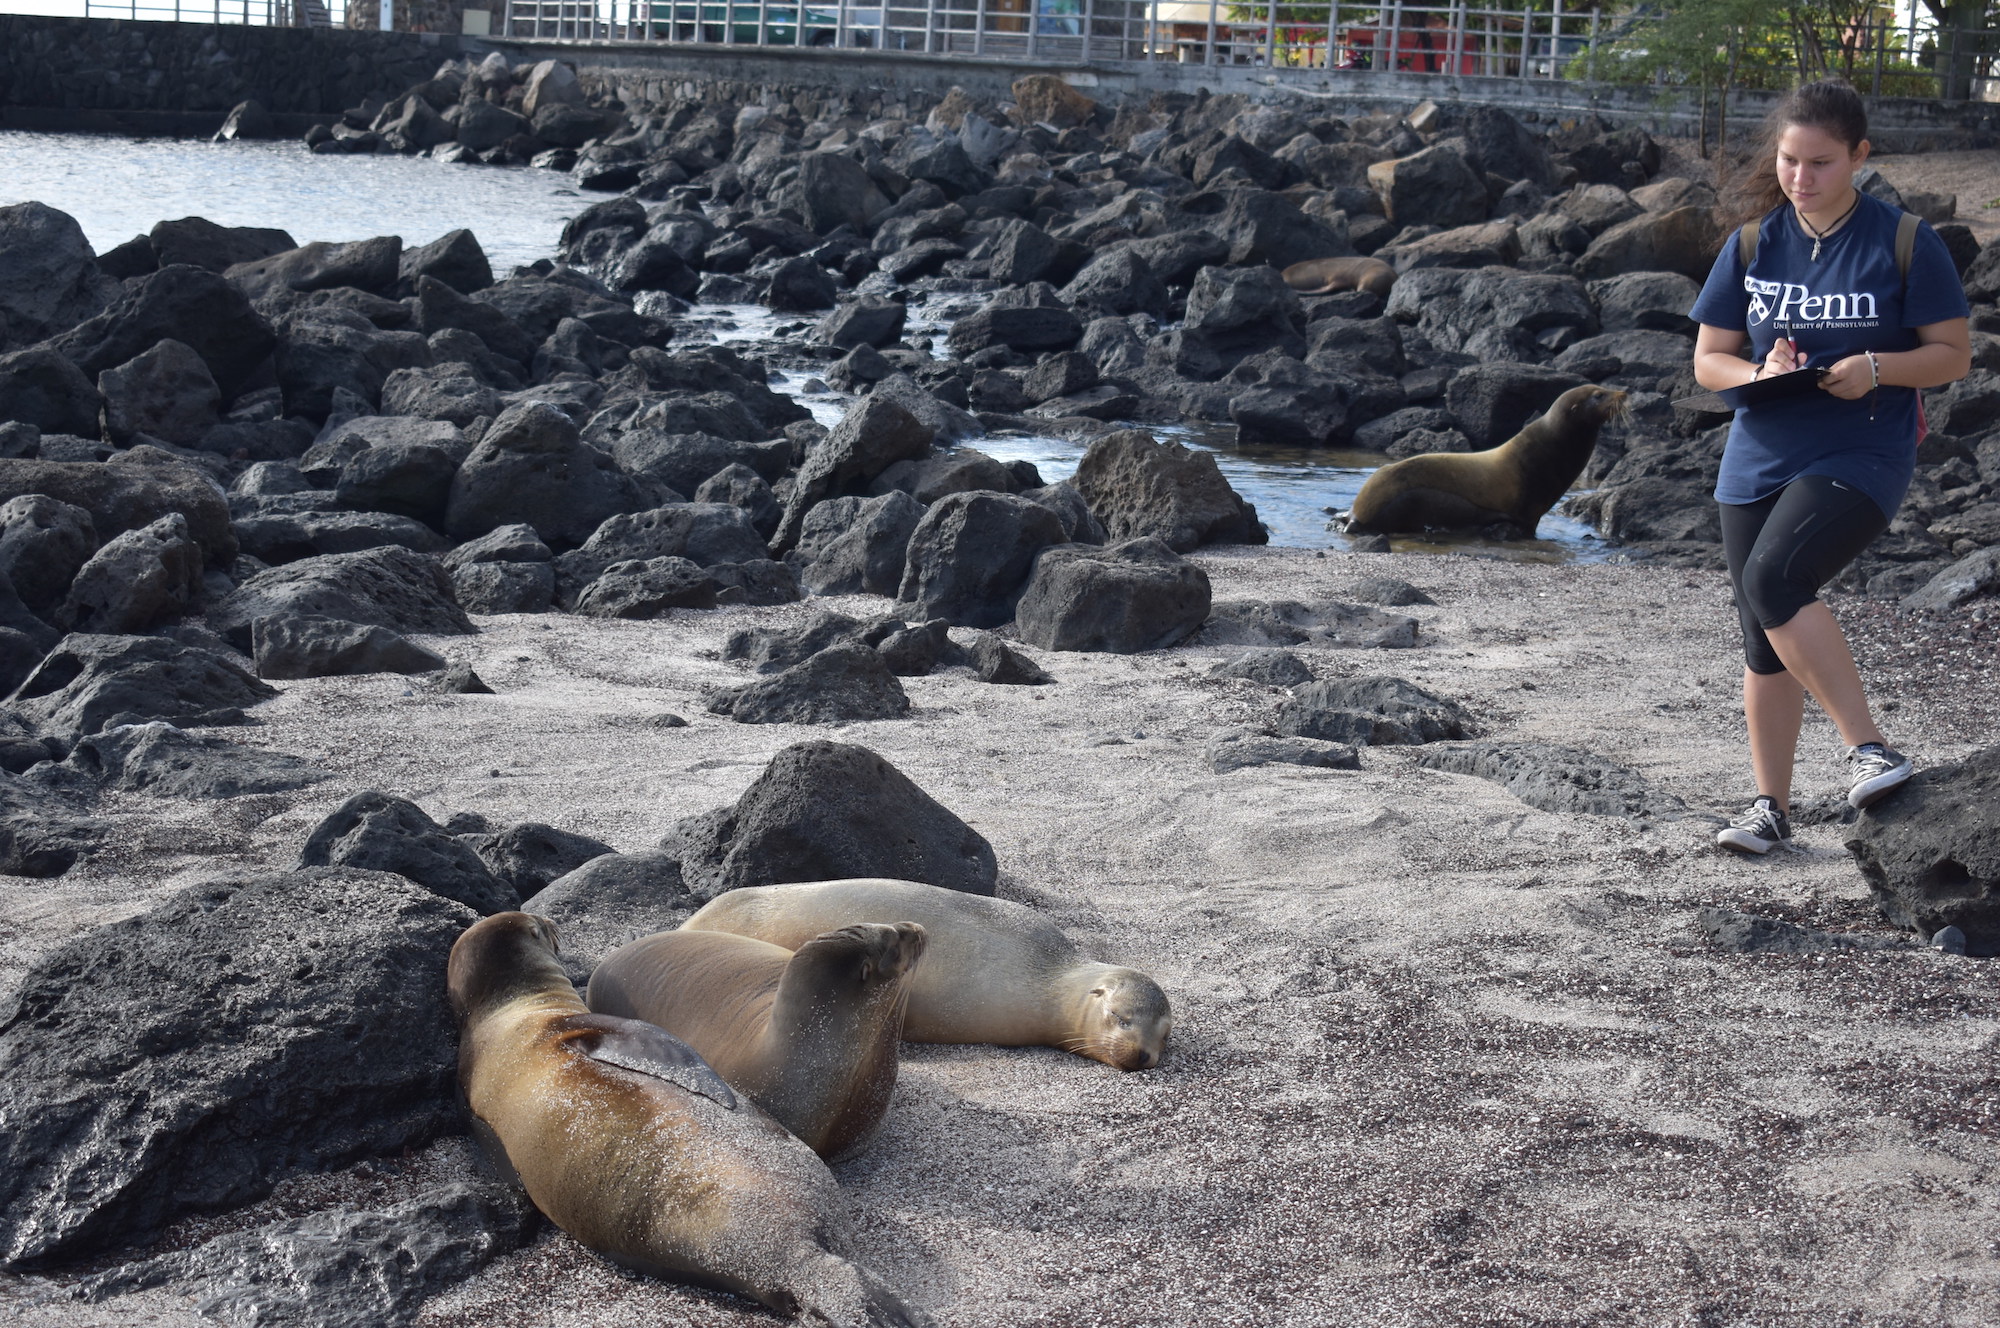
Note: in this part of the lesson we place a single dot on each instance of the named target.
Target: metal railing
(254, 13)
(1558, 39)
(1434, 38)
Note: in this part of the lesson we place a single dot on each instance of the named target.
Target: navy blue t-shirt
(1852, 299)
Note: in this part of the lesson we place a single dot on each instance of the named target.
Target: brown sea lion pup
(809, 1036)
(1516, 482)
(993, 971)
(1324, 276)
(629, 1142)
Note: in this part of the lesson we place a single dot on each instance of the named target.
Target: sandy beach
(1439, 1057)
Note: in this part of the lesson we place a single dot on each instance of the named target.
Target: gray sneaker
(1758, 830)
(1873, 772)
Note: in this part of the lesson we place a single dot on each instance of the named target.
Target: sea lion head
(1588, 406)
(506, 955)
(1124, 1021)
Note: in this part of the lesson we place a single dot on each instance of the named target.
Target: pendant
(1815, 257)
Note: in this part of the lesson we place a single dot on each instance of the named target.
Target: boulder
(833, 191)
(133, 489)
(441, 307)
(1026, 328)
(855, 546)
(339, 1268)
(1139, 487)
(158, 759)
(1931, 854)
(530, 855)
(165, 393)
(375, 831)
(799, 285)
(485, 125)
(90, 683)
(1976, 574)
(201, 243)
(48, 275)
(404, 479)
(1242, 747)
(1290, 623)
(825, 811)
(42, 388)
(1491, 402)
(1646, 302)
(997, 662)
(451, 391)
(841, 684)
(969, 558)
(303, 645)
(738, 486)
(1682, 241)
(701, 533)
(1373, 710)
(367, 265)
(190, 1102)
(394, 588)
(1434, 187)
(533, 468)
(613, 899)
(44, 543)
(1021, 252)
(455, 259)
(504, 587)
(138, 579)
(1267, 665)
(644, 588)
(551, 83)
(1557, 779)
(872, 320)
(1120, 598)
(874, 434)
(1046, 99)
(684, 461)
(187, 304)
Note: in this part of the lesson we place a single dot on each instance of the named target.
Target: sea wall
(111, 74)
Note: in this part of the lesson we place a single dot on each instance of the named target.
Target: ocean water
(118, 187)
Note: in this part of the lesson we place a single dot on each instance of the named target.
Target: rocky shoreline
(354, 590)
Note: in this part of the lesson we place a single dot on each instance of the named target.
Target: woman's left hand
(1849, 379)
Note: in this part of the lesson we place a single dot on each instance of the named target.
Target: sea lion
(629, 1142)
(993, 971)
(1516, 482)
(1324, 276)
(809, 1036)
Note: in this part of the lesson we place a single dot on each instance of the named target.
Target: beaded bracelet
(1874, 382)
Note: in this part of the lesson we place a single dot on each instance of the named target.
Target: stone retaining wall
(98, 65)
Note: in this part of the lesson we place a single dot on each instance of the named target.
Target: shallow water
(118, 187)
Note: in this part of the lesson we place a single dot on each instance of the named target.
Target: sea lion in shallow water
(810, 1036)
(993, 971)
(1516, 482)
(629, 1142)
(1324, 276)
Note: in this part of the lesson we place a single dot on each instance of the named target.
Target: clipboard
(1760, 392)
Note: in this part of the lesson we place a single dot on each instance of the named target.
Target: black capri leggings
(1783, 548)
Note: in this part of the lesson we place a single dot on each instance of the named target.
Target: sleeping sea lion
(629, 1142)
(809, 1036)
(993, 971)
(1517, 482)
(1324, 276)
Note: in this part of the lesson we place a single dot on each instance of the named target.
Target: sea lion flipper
(645, 1049)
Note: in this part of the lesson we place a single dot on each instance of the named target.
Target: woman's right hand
(1783, 358)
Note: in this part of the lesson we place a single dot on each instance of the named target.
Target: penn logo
(1789, 302)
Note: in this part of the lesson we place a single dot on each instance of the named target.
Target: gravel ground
(1439, 1059)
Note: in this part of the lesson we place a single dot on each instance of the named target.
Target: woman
(1809, 481)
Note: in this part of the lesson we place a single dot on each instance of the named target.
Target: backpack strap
(1747, 236)
(1906, 247)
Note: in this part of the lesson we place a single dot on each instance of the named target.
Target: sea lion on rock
(809, 1036)
(1515, 483)
(629, 1142)
(993, 971)
(1324, 276)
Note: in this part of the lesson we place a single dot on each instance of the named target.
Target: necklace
(1819, 236)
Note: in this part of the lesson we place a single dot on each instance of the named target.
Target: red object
(1418, 50)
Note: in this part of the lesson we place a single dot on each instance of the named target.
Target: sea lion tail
(841, 1294)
